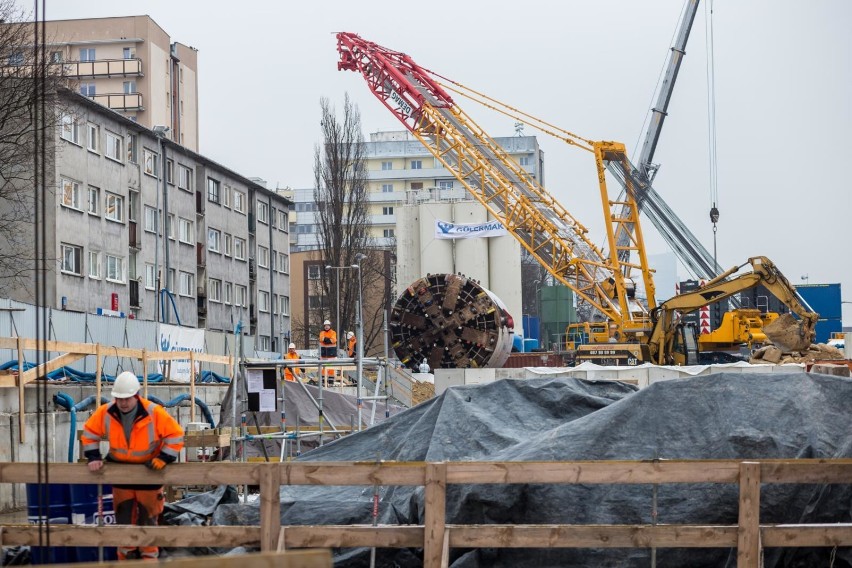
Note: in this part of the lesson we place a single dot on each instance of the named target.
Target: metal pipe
(360, 341)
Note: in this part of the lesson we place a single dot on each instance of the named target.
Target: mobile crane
(601, 281)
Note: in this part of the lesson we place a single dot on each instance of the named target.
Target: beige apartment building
(131, 65)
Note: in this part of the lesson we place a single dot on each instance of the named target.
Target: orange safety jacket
(328, 348)
(351, 346)
(290, 373)
(155, 434)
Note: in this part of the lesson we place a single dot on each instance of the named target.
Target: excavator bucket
(789, 334)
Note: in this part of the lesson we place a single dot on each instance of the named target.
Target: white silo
(504, 272)
(472, 254)
(407, 245)
(436, 255)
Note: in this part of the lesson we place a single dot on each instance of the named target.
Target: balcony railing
(120, 101)
(104, 68)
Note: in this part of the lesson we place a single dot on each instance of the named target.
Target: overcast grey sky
(783, 99)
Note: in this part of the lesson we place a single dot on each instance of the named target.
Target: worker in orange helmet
(328, 349)
(291, 373)
(351, 344)
(138, 432)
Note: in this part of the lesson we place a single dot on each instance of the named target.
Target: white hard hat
(350, 335)
(326, 322)
(126, 385)
(291, 346)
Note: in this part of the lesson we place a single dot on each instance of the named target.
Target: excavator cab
(685, 345)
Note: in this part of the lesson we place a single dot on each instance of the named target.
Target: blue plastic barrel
(49, 503)
(85, 511)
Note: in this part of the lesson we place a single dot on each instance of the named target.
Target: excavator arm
(666, 330)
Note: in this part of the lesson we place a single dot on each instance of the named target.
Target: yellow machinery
(739, 327)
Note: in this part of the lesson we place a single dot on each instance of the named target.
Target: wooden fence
(435, 536)
(71, 352)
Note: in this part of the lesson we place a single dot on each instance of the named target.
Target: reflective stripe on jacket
(154, 434)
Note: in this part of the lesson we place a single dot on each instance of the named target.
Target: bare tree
(28, 113)
(343, 223)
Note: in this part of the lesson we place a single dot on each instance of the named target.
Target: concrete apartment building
(131, 65)
(225, 252)
(401, 171)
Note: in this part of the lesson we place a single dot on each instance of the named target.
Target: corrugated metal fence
(20, 320)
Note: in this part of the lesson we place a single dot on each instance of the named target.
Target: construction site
(703, 428)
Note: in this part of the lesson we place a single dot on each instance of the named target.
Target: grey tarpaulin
(727, 415)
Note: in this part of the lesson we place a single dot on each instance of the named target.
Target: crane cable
(711, 123)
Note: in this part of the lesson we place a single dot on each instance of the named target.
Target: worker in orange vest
(328, 349)
(291, 373)
(351, 344)
(139, 432)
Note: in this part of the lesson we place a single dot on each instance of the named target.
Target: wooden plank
(270, 507)
(592, 536)
(435, 515)
(126, 352)
(171, 536)
(192, 386)
(291, 559)
(98, 374)
(201, 473)
(353, 473)
(748, 533)
(49, 366)
(627, 472)
(807, 471)
(806, 535)
(445, 553)
(41, 344)
(353, 536)
(145, 372)
(21, 400)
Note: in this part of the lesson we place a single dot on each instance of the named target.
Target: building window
(70, 129)
(152, 162)
(88, 89)
(150, 277)
(387, 210)
(263, 212)
(170, 226)
(133, 148)
(239, 248)
(416, 164)
(132, 205)
(263, 301)
(314, 272)
(229, 292)
(283, 262)
(387, 188)
(262, 256)
(72, 259)
(285, 305)
(226, 196)
(170, 172)
(239, 201)
(445, 184)
(314, 302)
(184, 178)
(215, 292)
(187, 235)
(213, 240)
(387, 166)
(263, 342)
(129, 53)
(229, 245)
(114, 207)
(283, 220)
(56, 57)
(94, 265)
(417, 185)
(87, 54)
(213, 190)
(151, 225)
(93, 131)
(113, 146)
(16, 59)
(70, 194)
(242, 296)
(114, 268)
(94, 200)
(170, 285)
(526, 161)
(388, 233)
(187, 284)
(129, 87)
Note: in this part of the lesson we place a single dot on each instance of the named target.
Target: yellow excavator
(672, 343)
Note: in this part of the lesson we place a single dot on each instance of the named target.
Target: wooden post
(270, 506)
(21, 404)
(98, 374)
(192, 386)
(436, 514)
(145, 372)
(748, 533)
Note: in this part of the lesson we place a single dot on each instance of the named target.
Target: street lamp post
(359, 365)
